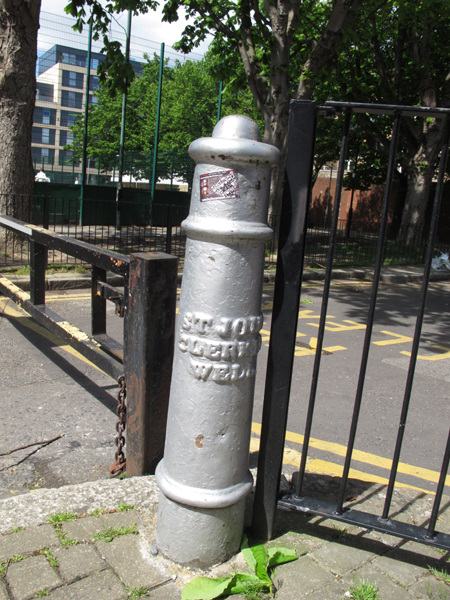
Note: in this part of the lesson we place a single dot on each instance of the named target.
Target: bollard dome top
(237, 126)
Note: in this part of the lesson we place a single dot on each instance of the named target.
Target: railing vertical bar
(98, 304)
(324, 308)
(440, 490)
(419, 320)
(293, 227)
(38, 264)
(371, 312)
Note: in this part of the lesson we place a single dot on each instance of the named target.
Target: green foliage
(123, 507)
(112, 532)
(440, 575)
(139, 592)
(364, 591)
(58, 518)
(261, 562)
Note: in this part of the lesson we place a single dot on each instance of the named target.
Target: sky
(148, 26)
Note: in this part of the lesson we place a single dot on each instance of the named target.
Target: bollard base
(199, 538)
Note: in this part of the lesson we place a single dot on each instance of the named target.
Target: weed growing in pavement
(49, 556)
(58, 518)
(140, 592)
(17, 529)
(42, 593)
(252, 586)
(440, 575)
(364, 591)
(122, 507)
(112, 532)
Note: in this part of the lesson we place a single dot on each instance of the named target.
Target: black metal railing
(144, 296)
(158, 228)
(292, 258)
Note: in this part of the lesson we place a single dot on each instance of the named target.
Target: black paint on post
(149, 343)
(293, 226)
(38, 264)
(98, 303)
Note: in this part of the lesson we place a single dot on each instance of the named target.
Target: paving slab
(387, 589)
(340, 558)
(27, 541)
(100, 586)
(31, 575)
(76, 562)
(133, 562)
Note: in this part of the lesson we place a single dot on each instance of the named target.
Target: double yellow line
(291, 455)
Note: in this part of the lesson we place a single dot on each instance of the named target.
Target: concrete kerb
(332, 558)
(401, 275)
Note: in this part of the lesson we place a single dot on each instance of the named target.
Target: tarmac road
(48, 392)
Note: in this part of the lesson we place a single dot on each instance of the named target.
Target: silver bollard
(204, 476)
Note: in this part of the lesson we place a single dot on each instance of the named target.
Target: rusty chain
(120, 465)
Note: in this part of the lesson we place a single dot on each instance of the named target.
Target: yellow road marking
(339, 327)
(445, 354)
(312, 350)
(400, 339)
(360, 456)
(291, 456)
(324, 467)
(28, 322)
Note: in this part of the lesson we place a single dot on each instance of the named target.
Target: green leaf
(241, 582)
(248, 554)
(256, 558)
(204, 588)
(279, 556)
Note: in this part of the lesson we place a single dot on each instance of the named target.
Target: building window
(72, 79)
(42, 135)
(44, 156)
(93, 99)
(71, 99)
(66, 158)
(70, 58)
(94, 83)
(94, 63)
(44, 92)
(44, 116)
(68, 119)
(65, 138)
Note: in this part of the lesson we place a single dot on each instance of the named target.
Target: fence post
(169, 230)
(204, 477)
(38, 265)
(148, 350)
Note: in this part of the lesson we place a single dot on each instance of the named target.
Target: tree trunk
(420, 173)
(19, 23)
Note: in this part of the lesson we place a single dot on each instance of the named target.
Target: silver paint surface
(204, 476)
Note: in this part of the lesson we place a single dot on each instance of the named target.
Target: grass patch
(49, 556)
(57, 520)
(364, 591)
(61, 517)
(139, 592)
(440, 575)
(112, 532)
(17, 529)
(122, 507)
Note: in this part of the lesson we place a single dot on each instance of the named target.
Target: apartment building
(60, 100)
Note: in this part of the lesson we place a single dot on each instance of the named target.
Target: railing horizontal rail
(104, 259)
(85, 345)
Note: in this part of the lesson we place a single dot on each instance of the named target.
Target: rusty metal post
(149, 338)
(204, 476)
